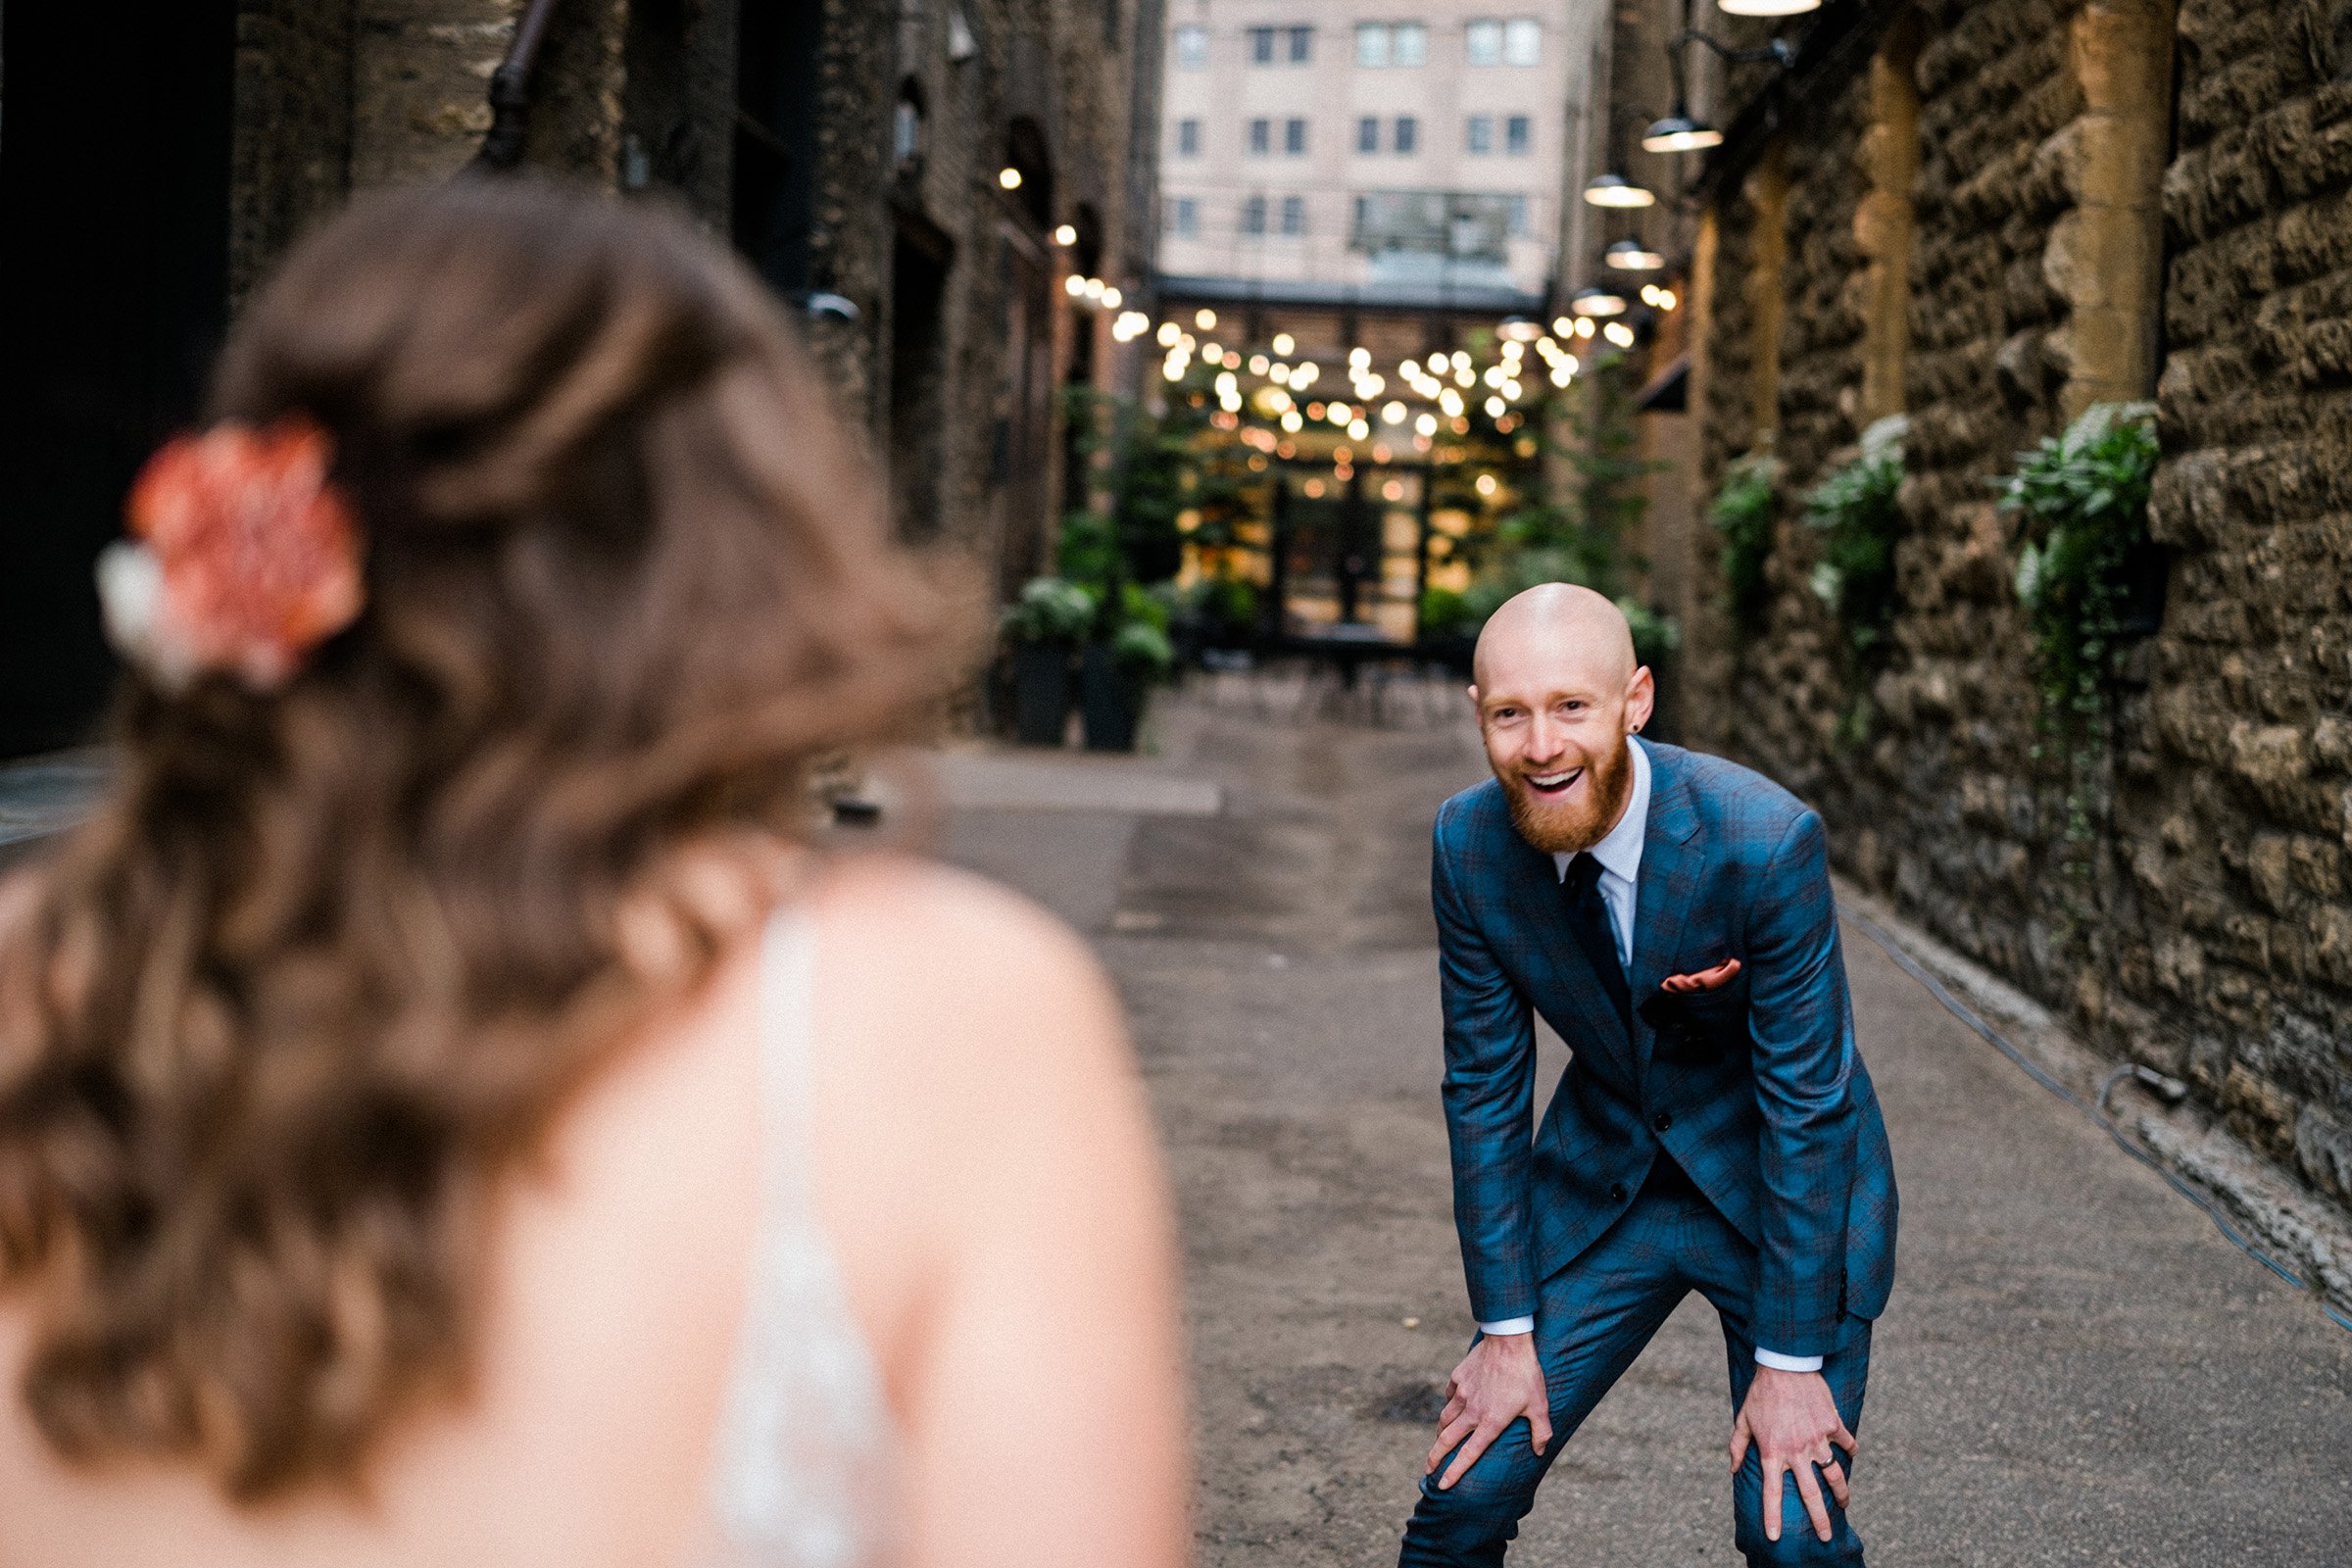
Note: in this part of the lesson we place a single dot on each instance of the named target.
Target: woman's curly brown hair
(330, 960)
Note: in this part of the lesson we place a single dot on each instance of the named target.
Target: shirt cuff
(1787, 1363)
(1515, 1325)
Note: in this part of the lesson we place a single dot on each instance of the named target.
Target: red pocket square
(1715, 979)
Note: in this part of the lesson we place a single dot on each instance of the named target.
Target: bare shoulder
(955, 957)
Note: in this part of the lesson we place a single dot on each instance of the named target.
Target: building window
(1409, 134)
(1253, 216)
(1517, 133)
(1391, 44)
(1261, 46)
(1192, 48)
(1303, 45)
(1293, 137)
(1187, 138)
(1522, 41)
(1519, 229)
(1184, 216)
(1484, 42)
(1293, 215)
(1482, 133)
(1367, 134)
(1464, 227)
(1261, 136)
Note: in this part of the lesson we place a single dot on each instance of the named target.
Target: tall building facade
(1366, 152)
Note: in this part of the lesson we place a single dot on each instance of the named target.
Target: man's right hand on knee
(1499, 1380)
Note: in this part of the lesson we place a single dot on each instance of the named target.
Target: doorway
(113, 297)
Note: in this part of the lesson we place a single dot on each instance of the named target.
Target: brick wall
(2213, 934)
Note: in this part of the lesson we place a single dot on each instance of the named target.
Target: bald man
(1670, 915)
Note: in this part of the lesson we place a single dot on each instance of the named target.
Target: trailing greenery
(2085, 499)
(1049, 609)
(1857, 512)
(1746, 513)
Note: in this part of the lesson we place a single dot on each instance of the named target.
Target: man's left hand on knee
(1792, 1420)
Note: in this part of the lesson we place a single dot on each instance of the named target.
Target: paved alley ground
(2076, 1368)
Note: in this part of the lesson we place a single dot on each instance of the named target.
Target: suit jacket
(1756, 1088)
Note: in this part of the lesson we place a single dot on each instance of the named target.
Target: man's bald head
(1562, 626)
(1557, 692)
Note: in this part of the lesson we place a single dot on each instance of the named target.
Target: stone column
(2105, 256)
(1882, 223)
(1766, 190)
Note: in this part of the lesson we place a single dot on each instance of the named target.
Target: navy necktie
(1588, 919)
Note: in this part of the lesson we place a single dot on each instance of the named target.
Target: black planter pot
(1110, 702)
(1041, 693)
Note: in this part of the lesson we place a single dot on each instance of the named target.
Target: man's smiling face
(1557, 693)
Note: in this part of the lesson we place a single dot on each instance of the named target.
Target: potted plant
(1043, 624)
(1117, 677)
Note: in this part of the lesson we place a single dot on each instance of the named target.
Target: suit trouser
(1591, 1320)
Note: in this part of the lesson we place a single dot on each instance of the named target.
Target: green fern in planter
(1048, 609)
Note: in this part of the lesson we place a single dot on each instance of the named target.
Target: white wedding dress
(803, 1458)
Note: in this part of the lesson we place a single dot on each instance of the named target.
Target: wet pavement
(2076, 1368)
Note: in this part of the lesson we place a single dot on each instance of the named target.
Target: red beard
(1566, 827)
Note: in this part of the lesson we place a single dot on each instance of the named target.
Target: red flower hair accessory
(247, 556)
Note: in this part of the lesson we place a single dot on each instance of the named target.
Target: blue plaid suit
(1759, 1096)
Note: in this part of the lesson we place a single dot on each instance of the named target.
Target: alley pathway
(2075, 1369)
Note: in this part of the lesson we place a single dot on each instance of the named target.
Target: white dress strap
(803, 1445)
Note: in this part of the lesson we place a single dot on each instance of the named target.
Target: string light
(1168, 333)
(1619, 333)
(1066, 235)
(1283, 343)
(1010, 177)
(1204, 318)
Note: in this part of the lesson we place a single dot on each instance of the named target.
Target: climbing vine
(2081, 575)
(1746, 511)
(1857, 511)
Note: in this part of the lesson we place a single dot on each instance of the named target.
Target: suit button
(1616, 1192)
(1663, 1120)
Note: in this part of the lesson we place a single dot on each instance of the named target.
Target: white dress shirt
(1619, 852)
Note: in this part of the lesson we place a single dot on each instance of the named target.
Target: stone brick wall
(2212, 936)
(2236, 832)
